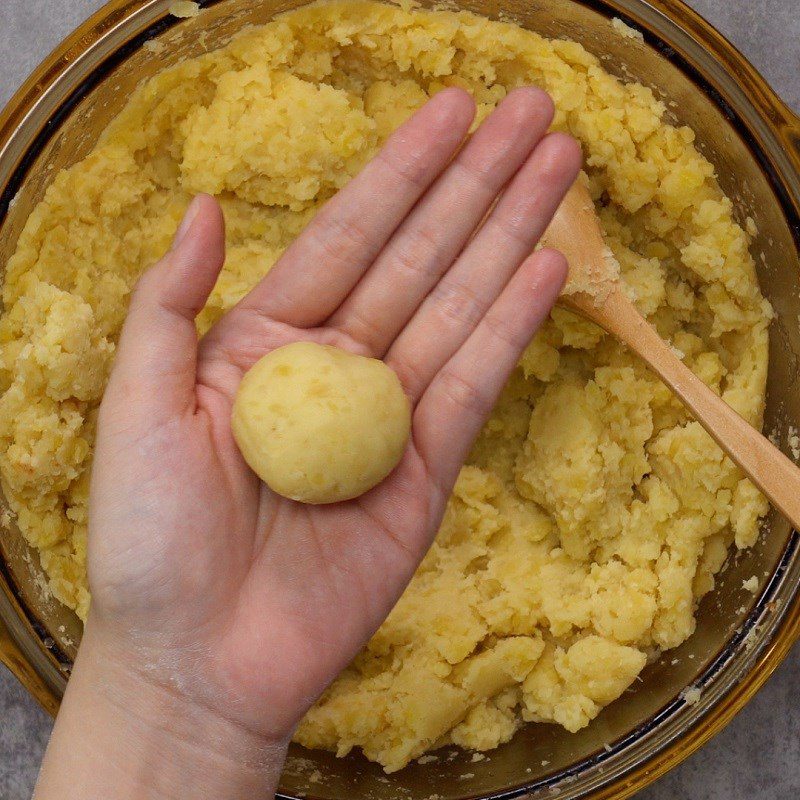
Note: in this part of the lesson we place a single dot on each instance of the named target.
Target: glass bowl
(754, 142)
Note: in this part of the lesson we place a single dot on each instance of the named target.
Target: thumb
(155, 367)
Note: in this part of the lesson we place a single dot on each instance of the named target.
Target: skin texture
(221, 611)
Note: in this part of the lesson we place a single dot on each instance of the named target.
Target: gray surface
(758, 755)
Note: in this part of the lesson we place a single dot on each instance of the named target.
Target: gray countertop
(758, 755)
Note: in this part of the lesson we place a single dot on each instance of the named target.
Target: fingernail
(186, 222)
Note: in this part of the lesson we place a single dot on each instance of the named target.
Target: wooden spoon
(593, 290)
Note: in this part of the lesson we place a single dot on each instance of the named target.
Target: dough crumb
(751, 584)
(183, 9)
(625, 30)
(5, 518)
(691, 696)
(751, 638)
(794, 442)
(678, 353)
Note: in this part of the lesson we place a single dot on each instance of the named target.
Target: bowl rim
(771, 130)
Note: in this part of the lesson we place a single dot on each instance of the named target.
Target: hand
(209, 589)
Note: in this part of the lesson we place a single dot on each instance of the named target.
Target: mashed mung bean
(593, 512)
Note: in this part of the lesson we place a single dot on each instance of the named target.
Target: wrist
(146, 739)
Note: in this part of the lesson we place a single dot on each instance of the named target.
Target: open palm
(251, 601)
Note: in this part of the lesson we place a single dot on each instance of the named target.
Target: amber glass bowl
(754, 142)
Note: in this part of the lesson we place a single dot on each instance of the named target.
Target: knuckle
(425, 239)
(417, 253)
(363, 329)
(516, 223)
(145, 284)
(504, 332)
(411, 168)
(338, 238)
(464, 394)
(477, 172)
(457, 302)
(410, 374)
(336, 337)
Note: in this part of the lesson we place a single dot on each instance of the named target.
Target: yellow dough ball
(320, 425)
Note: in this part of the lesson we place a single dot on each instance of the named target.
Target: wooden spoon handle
(775, 474)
